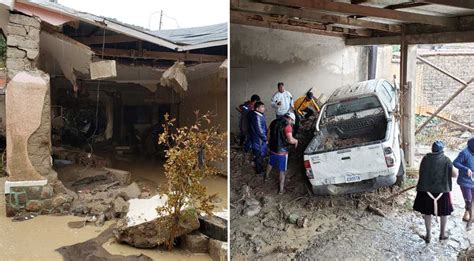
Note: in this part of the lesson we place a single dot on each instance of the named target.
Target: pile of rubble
(143, 227)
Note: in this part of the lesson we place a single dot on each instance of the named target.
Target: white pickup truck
(356, 146)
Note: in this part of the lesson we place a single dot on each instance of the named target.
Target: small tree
(189, 152)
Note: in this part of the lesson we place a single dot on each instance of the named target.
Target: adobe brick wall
(434, 87)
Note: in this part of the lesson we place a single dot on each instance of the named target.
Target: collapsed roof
(178, 40)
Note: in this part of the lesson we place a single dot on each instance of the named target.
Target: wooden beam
(279, 19)
(98, 39)
(310, 15)
(469, 4)
(442, 106)
(154, 55)
(464, 126)
(431, 38)
(352, 9)
(265, 21)
(405, 5)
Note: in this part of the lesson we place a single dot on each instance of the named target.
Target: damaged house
(91, 92)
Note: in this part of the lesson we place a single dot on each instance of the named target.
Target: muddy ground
(336, 227)
(43, 235)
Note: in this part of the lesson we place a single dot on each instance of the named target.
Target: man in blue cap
(465, 163)
(433, 189)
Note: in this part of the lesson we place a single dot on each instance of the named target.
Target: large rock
(218, 250)
(213, 227)
(195, 242)
(122, 176)
(144, 228)
(132, 191)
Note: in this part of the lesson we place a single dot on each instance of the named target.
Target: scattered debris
(142, 227)
(175, 78)
(23, 217)
(375, 210)
(214, 227)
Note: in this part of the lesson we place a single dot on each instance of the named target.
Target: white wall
(261, 57)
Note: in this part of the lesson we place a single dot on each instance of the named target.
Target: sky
(146, 13)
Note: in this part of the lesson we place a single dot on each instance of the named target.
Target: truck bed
(349, 133)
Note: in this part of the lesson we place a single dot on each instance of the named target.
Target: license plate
(352, 178)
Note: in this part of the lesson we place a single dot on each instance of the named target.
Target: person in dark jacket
(281, 136)
(433, 189)
(244, 110)
(258, 135)
(465, 163)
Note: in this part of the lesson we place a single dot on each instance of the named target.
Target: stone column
(31, 182)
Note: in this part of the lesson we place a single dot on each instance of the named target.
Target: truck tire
(401, 170)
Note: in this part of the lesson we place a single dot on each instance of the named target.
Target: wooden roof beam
(283, 23)
(369, 11)
(428, 38)
(469, 4)
(97, 39)
(154, 55)
(311, 15)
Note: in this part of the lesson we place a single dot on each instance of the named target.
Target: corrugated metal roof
(195, 35)
(180, 39)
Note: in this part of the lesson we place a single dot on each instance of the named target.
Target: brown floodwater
(37, 239)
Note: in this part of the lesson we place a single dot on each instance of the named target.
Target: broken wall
(32, 184)
(206, 92)
(263, 57)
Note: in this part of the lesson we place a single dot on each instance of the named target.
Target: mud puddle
(149, 173)
(42, 235)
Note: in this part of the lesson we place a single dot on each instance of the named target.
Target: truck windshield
(355, 105)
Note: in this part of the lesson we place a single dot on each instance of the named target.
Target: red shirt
(288, 129)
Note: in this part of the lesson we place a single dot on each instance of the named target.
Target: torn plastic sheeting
(71, 56)
(175, 78)
(50, 17)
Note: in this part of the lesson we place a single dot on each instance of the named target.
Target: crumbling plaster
(263, 57)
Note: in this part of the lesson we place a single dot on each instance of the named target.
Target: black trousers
(308, 113)
(259, 167)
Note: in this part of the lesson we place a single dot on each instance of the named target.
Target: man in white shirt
(282, 101)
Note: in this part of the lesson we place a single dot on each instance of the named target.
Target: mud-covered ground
(337, 227)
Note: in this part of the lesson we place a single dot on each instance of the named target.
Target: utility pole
(161, 17)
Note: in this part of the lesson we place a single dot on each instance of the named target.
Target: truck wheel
(401, 170)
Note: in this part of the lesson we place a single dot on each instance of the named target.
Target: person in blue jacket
(258, 135)
(465, 163)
